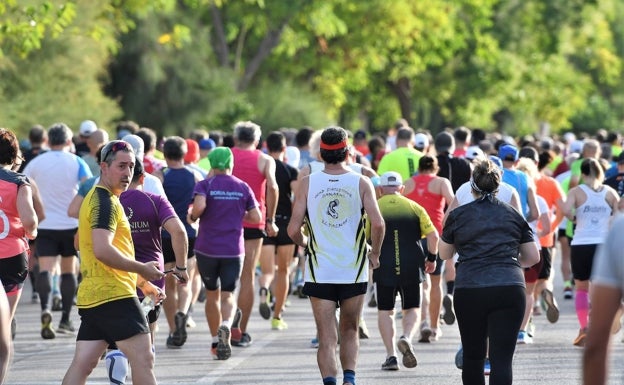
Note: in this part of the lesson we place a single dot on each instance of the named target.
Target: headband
(337, 146)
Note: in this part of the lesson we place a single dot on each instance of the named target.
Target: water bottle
(147, 305)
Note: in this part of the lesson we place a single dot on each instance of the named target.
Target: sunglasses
(114, 147)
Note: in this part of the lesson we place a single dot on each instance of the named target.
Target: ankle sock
(348, 376)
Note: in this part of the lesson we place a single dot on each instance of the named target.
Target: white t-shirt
(57, 175)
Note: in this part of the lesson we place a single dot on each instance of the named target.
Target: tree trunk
(270, 41)
(403, 92)
(219, 45)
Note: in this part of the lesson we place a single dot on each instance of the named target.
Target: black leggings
(493, 313)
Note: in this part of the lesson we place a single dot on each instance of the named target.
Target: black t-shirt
(456, 170)
(617, 182)
(487, 236)
(284, 175)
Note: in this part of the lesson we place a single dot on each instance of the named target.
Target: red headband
(337, 146)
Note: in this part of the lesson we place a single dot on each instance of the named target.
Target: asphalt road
(286, 357)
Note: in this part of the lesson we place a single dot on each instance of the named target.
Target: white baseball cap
(391, 178)
(87, 128)
(421, 141)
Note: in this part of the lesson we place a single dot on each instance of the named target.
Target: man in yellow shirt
(107, 301)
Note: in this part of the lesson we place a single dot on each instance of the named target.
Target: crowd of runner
(138, 226)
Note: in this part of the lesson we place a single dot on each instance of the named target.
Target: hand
(157, 294)
(151, 271)
(271, 229)
(373, 260)
(180, 275)
(430, 267)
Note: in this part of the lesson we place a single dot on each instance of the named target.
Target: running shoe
(47, 332)
(537, 308)
(265, 305)
(580, 339)
(459, 358)
(314, 343)
(65, 327)
(552, 311)
(180, 335)
(243, 342)
(213, 351)
(406, 348)
(363, 330)
(531, 328)
(171, 343)
(190, 322)
(425, 333)
(278, 324)
(435, 334)
(449, 314)
(34, 298)
(523, 338)
(224, 347)
(486, 367)
(568, 291)
(390, 364)
(57, 303)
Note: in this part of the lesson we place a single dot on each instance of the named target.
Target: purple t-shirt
(147, 213)
(221, 224)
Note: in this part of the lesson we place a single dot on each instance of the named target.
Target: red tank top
(246, 169)
(432, 203)
(12, 234)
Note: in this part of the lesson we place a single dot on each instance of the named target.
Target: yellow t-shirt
(101, 209)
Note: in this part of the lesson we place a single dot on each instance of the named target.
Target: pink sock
(581, 301)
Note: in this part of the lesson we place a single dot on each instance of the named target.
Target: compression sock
(329, 381)
(68, 289)
(117, 367)
(44, 286)
(581, 301)
(348, 376)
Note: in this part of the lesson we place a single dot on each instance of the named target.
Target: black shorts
(386, 296)
(282, 238)
(169, 255)
(249, 233)
(546, 254)
(582, 259)
(113, 321)
(51, 243)
(219, 272)
(336, 292)
(13, 272)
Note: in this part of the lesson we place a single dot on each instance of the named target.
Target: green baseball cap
(221, 158)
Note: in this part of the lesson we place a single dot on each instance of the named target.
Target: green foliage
(285, 104)
(24, 26)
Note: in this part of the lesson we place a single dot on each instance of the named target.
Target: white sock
(117, 367)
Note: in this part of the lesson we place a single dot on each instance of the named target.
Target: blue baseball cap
(508, 152)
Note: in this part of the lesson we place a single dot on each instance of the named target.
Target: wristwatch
(270, 220)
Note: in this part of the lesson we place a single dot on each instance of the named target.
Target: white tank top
(316, 166)
(335, 216)
(592, 218)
